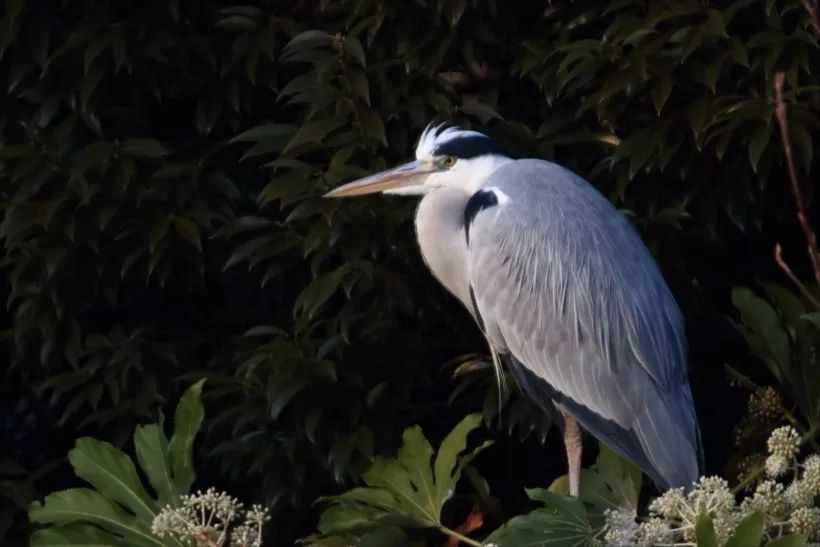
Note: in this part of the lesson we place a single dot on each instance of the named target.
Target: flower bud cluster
(765, 405)
(787, 506)
(204, 519)
(805, 520)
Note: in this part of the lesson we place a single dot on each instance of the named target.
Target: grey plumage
(567, 294)
(566, 287)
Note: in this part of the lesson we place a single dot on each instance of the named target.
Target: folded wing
(566, 289)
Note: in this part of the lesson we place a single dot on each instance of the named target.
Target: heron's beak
(397, 180)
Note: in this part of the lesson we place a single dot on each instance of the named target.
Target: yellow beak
(392, 180)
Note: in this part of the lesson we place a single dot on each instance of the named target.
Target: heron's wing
(564, 285)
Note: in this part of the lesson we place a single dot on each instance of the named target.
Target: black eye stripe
(467, 147)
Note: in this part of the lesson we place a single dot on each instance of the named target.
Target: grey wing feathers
(565, 286)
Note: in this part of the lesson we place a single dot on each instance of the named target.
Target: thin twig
(802, 217)
(814, 15)
(778, 258)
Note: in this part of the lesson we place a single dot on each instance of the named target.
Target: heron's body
(568, 296)
(588, 324)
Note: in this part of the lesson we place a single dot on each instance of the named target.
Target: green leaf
(283, 395)
(559, 502)
(813, 318)
(121, 505)
(112, 473)
(308, 39)
(379, 498)
(353, 47)
(455, 10)
(75, 535)
(705, 531)
(389, 475)
(342, 517)
(187, 421)
(359, 85)
(660, 92)
(562, 522)
(314, 132)
(188, 230)
(381, 537)
(411, 488)
(158, 233)
(92, 52)
(758, 143)
(748, 532)
(415, 455)
(264, 132)
(85, 505)
(319, 291)
(446, 470)
(621, 478)
(767, 336)
(151, 447)
(610, 483)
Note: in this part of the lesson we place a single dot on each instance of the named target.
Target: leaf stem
(462, 538)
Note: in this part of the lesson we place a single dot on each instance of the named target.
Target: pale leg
(574, 445)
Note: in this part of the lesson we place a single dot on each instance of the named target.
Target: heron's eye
(448, 161)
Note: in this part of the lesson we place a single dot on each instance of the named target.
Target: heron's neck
(440, 231)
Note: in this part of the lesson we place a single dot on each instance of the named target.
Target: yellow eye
(448, 161)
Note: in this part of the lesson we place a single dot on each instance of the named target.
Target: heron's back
(565, 285)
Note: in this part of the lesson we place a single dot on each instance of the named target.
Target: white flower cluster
(786, 508)
(783, 444)
(206, 518)
(621, 527)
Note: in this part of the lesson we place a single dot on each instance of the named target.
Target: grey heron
(566, 293)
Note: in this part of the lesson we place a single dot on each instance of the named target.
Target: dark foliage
(161, 167)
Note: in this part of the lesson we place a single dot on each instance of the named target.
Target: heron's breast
(440, 233)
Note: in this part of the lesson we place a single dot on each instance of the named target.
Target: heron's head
(447, 158)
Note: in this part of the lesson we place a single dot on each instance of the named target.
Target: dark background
(161, 164)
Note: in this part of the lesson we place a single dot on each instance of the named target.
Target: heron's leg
(574, 445)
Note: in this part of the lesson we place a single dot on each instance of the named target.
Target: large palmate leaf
(409, 490)
(120, 506)
(610, 483)
(562, 522)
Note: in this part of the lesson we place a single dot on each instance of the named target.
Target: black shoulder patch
(467, 147)
(483, 199)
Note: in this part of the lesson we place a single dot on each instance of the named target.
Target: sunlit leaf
(187, 421)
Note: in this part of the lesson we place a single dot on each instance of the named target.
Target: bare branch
(778, 258)
(783, 123)
(814, 15)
